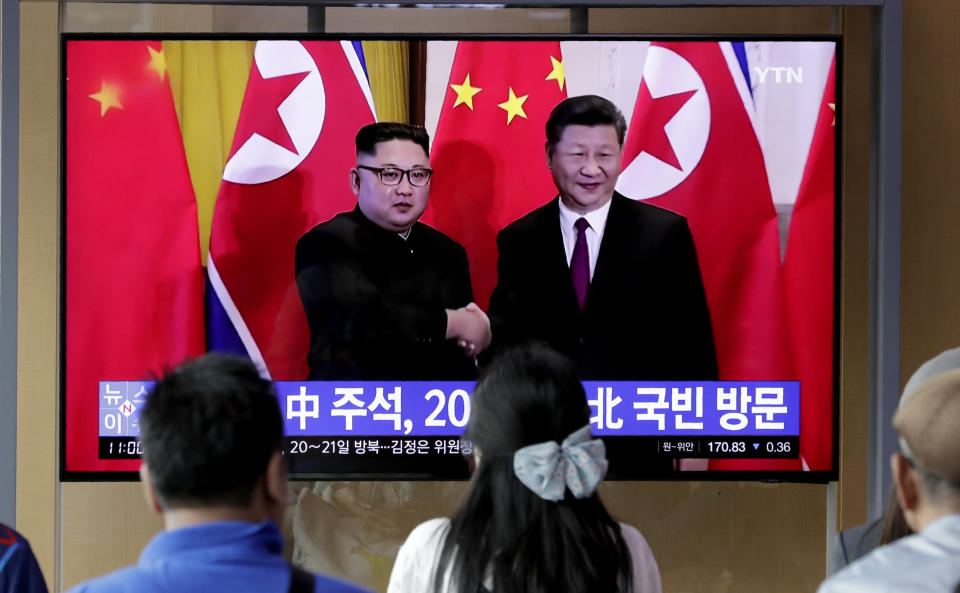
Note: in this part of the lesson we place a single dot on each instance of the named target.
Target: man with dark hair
(926, 473)
(386, 296)
(610, 282)
(212, 466)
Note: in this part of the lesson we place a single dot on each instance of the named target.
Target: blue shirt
(19, 571)
(233, 556)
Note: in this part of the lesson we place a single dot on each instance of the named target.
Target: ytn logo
(781, 74)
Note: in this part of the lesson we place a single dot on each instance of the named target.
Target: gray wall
(9, 97)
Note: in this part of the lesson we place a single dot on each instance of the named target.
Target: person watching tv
(212, 466)
(926, 473)
(532, 520)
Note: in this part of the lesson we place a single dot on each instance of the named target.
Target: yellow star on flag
(513, 106)
(557, 72)
(158, 62)
(465, 92)
(833, 106)
(109, 96)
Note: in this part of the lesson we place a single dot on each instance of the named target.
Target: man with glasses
(388, 297)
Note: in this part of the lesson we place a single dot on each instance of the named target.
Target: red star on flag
(271, 93)
(657, 113)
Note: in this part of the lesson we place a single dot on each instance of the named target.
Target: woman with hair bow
(531, 521)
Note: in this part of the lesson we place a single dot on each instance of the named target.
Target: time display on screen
(120, 448)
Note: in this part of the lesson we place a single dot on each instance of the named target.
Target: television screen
(209, 204)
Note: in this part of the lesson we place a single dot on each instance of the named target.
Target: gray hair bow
(579, 463)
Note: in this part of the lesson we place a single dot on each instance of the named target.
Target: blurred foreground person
(926, 473)
(212, 466)
(19, 571)
(531, 521)
(856, 542)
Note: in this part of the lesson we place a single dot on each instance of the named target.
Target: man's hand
(470, 326)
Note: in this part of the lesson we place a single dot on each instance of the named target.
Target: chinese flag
(488, 153)
(288, 171)
(809, 279)
(691, 148)
(134, 304)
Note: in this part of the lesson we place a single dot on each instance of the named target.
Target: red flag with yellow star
(134, 303)
(808, 270)
(488, 152)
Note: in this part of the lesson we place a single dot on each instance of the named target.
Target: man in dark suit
(640, 312)
(387, 297)
(612, 283)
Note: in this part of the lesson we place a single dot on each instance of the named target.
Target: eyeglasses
(392, 175)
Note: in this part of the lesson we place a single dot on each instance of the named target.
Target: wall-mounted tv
(208, 205)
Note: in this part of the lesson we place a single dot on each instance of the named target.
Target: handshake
(470, 327)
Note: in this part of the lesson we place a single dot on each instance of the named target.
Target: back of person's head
(372, 134)
(947, 360)
(209, 430)
(930, 443)
(895, 525)
(528, 539)
(584, 110)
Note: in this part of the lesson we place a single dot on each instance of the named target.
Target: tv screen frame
(777, 475)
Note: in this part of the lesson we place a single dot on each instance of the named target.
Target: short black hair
(372, 134)
(209, 429)
(584, 110)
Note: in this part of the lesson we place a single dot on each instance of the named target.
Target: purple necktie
(580, 262)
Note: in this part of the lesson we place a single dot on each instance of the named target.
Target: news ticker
(379, 447)
(683, 412)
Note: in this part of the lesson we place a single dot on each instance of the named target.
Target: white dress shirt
(414, 569)
(597, 220)
(926, 562)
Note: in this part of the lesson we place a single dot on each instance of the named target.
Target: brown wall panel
(37, 330)
(718, 537)
(105, 526)
(930, 281)
(854, 262)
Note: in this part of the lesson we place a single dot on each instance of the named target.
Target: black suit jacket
(645, 316)
(375, 302)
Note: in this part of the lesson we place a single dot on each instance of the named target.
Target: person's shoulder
(533, 219)
(646, 211)
(855, 542)
(853, 579)
(124, 580)
(634, 539)
(898, 566)
(428, 532)
(646, 573)
(437, 239)
(335, 226)
(10, 537)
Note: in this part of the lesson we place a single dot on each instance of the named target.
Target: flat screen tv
(191, 168)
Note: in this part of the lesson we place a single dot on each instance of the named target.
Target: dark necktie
(580, 262)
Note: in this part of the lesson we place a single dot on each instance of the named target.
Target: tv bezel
(792, 476)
